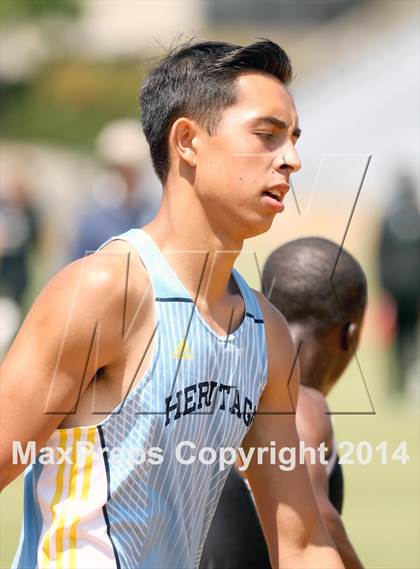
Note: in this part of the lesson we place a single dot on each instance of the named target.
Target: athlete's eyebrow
(278, 123)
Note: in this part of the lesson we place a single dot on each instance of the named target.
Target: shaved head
(297, 280)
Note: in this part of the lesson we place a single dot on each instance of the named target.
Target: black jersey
(235, 539)
(336, 485)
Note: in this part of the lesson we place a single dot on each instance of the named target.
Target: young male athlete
(157, 327)
(325, 319)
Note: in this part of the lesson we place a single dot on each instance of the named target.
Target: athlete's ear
(182, 140)
(349, 336)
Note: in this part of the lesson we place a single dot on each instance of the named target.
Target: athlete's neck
(314, 364)
(207, 252)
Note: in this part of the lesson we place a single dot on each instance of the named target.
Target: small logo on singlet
(182, 351)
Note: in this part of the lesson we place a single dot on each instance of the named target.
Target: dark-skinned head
(322, 293)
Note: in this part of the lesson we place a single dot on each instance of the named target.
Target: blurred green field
(382, 502)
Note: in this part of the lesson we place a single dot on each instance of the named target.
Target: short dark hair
(297, 280)
(197, 80)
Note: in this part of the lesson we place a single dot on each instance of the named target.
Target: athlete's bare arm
(48, 367)
(314, 427)
(292, 524)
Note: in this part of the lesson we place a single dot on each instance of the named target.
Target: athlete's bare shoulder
(274, 320)
(283, 368)
(99, 284)
(314, 399)
(82, 303)
(121, 261)
(279, 341)
(313, 419)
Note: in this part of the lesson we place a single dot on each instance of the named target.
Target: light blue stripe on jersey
(26, 555)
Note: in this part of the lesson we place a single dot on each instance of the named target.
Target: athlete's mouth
(277, 192)
(277, 197)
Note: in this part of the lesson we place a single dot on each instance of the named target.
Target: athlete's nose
(288, 159)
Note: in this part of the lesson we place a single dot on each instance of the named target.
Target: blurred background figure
(399, 266)
(120, 197)
(19, 236)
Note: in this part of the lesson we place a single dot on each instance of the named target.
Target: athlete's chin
(259, 225)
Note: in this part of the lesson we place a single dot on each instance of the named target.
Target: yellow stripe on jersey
(87, 475)
(66, 503)
(70, 500)
(45, 544)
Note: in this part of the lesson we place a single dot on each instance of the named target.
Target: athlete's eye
(265, 135)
